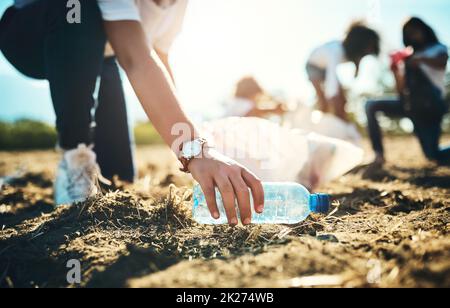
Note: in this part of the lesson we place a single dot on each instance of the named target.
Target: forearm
(256, 112)
(399, 82)
(164, 57)
(150, 81)
(321, 99)
(338, 102)
(155, 93)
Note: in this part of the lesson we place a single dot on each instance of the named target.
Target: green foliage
(27, 135)
(33, 135)
(146, 134)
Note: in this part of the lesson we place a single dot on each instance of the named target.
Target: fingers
(209, 191)
(228, 198)
(243, 196)
(257, 190)
(233, 182)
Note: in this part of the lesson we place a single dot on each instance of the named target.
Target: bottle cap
(320, 203)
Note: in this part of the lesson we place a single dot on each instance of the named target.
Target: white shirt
(437, 76)
(161, 23)
(239, 107)
(328, 57)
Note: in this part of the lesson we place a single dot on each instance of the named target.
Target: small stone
(328, 238)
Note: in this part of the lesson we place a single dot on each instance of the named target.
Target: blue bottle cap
(320, 203)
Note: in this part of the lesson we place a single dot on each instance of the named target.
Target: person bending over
(37, 38)
(322, 65)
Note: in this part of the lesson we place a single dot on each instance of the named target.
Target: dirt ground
(389, 228)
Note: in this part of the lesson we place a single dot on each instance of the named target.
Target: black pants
(427, 132)
(41, 44)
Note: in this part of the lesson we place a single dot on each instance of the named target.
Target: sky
(223, 40)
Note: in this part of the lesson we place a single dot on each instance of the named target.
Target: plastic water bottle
(285, 203)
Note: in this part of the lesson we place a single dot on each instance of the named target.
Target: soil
(389, 228)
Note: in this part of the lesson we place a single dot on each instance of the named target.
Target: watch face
(192, 149)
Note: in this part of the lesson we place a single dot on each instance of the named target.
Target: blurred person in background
(247, 101)
(419, 72)
(38, 39)
(322, 65)
(310, 154)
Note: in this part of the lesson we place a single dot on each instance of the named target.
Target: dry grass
(392, 221)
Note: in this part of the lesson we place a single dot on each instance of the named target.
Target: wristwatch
(190, 150)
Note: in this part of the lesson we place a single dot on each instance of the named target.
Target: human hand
(280, 109)
(398, 58)
(233, 182)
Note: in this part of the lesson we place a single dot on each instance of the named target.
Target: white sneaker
(77, 176)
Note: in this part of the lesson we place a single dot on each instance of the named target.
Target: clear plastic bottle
(285, 203)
